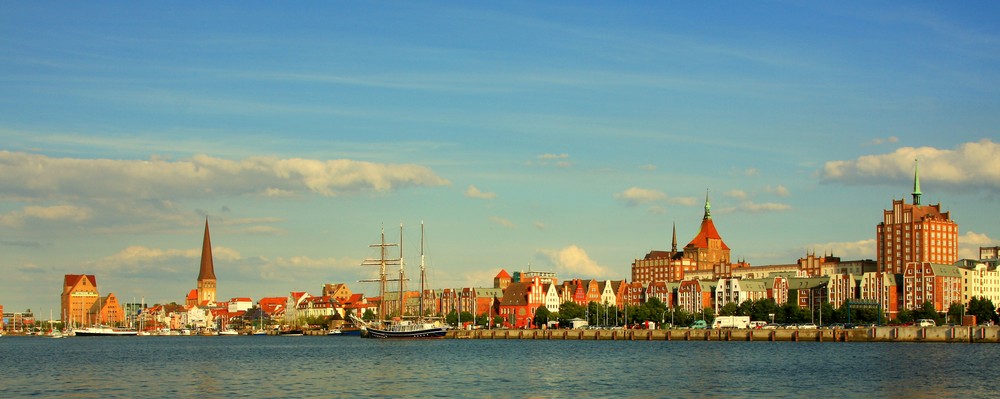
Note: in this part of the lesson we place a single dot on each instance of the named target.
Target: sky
(553, 136)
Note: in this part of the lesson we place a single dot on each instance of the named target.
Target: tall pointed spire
(207, 267)
(673, 242)
(708, 207)
(916, 183)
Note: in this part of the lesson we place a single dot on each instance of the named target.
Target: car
(926, 323)
(699, 325)
(771, 326)
(807, 326)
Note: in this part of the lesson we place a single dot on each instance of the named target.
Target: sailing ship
(398, 327)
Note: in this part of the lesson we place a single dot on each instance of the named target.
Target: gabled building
(107, 311)
(938, 284)
(339, 291)
(78, 297)
(880, 288)
(695, 295)
(707, 248)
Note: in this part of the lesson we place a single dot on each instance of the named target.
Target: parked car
(699, 325)
(807, 326)
(926, 323)
(771, 326)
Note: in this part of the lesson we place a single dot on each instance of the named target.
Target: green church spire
(708, 207)
(916, 183)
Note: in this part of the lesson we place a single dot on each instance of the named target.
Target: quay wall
(957, 334)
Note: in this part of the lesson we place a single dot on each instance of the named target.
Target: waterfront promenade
(957, 334)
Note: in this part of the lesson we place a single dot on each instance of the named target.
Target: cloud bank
(973, 165)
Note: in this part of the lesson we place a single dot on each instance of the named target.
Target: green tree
(368, 315)
(542, 315)
(955, 312)
(984, 310)
(571, 310)
(729, 309)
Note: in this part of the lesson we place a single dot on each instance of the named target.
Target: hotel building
(915, 233)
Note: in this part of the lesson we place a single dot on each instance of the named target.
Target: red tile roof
(706, 232)
(502, 274)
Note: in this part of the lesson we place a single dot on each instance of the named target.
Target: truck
(731, 322)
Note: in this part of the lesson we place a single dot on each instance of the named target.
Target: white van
(926, 323)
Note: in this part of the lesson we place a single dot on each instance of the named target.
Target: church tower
(707, 248)
(206, 276)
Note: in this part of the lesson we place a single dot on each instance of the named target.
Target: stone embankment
(872, 334)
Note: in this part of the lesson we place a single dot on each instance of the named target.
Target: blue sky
(568, 136)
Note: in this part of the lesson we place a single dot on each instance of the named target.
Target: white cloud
(862, 249)
(778, 190)
(969, 243)
(574, 261)
(474, 192)
(539, 225)
(24, 175)
(648, 167)
(738, 194)
(48, 213)
(502, 222)
(635, 196)
(751, 207)
(970, 165)
(887, 140)
(558, 160)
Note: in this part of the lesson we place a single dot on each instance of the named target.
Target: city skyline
(566, 137)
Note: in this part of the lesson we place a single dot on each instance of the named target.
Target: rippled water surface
(352, 367)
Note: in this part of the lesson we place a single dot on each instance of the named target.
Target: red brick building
(938, 284)
(78, 298)
(915, 233)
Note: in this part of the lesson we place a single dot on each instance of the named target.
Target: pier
(956, 334)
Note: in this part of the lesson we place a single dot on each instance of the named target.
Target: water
(351, 367)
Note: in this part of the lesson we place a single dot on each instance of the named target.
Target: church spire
(207, 267)
(673, 242)
(708, 207)
(916, 183)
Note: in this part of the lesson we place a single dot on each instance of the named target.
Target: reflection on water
(353, 367)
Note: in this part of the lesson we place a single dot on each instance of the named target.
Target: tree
(955, 312)
(369, 315)
(541, 316)
(984, 310)
(729, 309)
(571, 310)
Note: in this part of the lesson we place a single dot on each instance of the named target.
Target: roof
(707, 232)
(193, 294)
(207, 270)
(516, 295)
(503, 274)
(74, 279)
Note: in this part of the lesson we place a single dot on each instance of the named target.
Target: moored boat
(398, 328)
(104, 331)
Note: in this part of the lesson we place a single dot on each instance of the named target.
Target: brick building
(915, 233)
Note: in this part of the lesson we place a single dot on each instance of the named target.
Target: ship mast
(422, 270)
(402, 275)
(383, 279)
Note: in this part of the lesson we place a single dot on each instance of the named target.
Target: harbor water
(351, 367)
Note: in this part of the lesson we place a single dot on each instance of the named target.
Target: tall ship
(398, 327)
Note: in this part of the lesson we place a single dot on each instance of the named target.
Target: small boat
(295, 332)
(335, 331)
(55, 334)
(258, 332)
(228, 331)
(104, 331)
